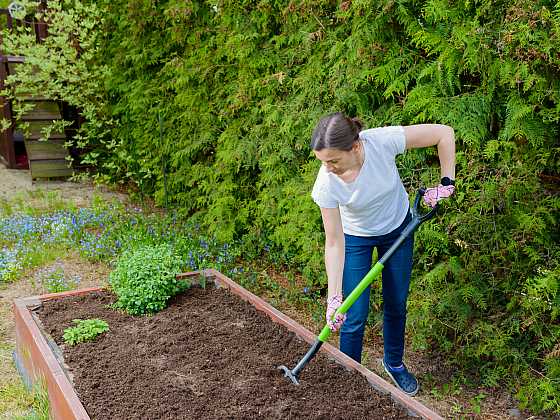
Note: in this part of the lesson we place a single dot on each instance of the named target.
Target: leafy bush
(145, 278)
(85, 330)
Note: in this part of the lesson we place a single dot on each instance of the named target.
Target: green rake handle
(375, 271)
(352, 297)
(416, 220)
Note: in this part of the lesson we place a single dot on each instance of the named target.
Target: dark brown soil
(209, 355)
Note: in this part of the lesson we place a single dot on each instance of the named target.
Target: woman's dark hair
(336, 131)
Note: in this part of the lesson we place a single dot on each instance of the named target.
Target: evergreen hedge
(239, 86)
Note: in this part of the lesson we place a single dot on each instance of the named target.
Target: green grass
(42, 255)
(39, 408)
(15, 400)
(37, 256)
(34, 203)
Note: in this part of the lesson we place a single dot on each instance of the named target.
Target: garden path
(16, 183)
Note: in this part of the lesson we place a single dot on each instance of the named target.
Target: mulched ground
(209, 355)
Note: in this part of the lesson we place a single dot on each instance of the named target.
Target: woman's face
(339, 161)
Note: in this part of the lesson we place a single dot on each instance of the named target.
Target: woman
(364, 205)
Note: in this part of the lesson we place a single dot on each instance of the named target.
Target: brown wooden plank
(30, 98)
(53, 136)
(14, 58)
(35, 128)
(4, 14)
(46, 106)
(40, 25)
(49, 168)
(43, 111)
(40, 116)
(13, 63)
(49, 150)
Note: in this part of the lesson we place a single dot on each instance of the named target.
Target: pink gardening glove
(333, 303)
(433, 195)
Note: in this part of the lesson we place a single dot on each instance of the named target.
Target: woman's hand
(425, 135)
(433, 195)
(333, 303)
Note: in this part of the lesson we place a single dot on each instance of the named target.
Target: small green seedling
(85, 330)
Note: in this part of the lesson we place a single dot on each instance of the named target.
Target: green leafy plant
(145, 278)
(85, 330)
(55, 280)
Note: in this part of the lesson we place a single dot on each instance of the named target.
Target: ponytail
(357, 123)
(336, 131)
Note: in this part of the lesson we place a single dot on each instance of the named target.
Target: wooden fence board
(35, 127)
(40, 150)
(49, 168)
(43, 110)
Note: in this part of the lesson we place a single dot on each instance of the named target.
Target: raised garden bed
(212, 354)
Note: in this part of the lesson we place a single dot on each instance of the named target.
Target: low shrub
(145, 278)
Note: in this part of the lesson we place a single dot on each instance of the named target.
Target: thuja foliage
(85, 330)
(145, 278)
(239, 86)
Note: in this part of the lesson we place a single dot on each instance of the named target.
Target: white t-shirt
(375, 203)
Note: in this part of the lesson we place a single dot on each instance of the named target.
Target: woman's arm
(425, 135)
(334, 250)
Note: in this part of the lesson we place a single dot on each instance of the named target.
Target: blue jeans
(395, 283)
